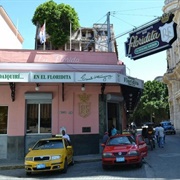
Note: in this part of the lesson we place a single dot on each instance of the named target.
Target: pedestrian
(66, 136)
(161, 136)
(113, 130)
(156, 133)
(105, 137)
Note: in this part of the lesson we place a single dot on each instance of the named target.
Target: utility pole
(70, 37)
(109, 43)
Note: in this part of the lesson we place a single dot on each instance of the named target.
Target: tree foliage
(153, 104)
(58, 18)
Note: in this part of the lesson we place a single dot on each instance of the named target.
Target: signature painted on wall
(85, 77)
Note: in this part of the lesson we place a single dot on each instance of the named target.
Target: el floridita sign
(151, 39)
(70, 77)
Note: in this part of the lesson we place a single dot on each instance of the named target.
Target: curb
(11, 167)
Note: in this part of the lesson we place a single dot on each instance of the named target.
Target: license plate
(120, 159)
(41, 166)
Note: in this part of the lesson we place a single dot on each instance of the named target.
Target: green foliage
(58, 18)
(153, 104)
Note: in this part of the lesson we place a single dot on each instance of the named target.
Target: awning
(131, 96)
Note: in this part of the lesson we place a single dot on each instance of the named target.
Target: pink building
(45, 91)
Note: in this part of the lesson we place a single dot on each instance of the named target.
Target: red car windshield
(121, 140)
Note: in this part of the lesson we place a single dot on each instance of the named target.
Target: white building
(86, 39)
(172, 76)
(10, 38)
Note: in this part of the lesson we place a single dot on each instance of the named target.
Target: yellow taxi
(51, 154)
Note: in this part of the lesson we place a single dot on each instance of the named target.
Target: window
(38, 118)
(39, 112)
(3, 119)
(83, 34)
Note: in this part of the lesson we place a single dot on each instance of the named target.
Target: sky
(125, 15)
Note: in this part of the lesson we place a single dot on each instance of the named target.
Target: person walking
(157, 133)
(161, 136)
(105, 137)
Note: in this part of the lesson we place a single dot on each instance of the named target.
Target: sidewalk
(19, 164)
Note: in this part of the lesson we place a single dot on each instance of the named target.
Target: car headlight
(55, 157)
(108, 154)
(29, 158)
(133, 153)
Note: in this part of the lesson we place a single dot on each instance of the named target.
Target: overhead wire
(122, 20)
(137, 9)
(112, 14)
(136, 28)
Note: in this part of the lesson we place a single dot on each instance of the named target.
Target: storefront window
(3, 119)
(39, 118)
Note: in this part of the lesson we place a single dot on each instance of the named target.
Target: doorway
(113, 116)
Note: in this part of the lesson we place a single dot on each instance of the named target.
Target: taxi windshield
(49, 144)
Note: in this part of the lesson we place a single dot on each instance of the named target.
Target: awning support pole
(62, 91)
(12, 87)
(103, 85)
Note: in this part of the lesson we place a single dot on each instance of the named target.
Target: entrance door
(113, 116)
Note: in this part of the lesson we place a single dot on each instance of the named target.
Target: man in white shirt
(161, 136)
(66, 136)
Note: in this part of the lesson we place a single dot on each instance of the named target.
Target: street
(161, 163)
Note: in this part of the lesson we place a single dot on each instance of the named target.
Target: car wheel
(72, 162)
(28, 173)
(65, 166)
(139, 165)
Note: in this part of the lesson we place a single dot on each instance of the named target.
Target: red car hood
(120, 148)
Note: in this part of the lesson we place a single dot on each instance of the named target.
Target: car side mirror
(69, 147)
(30, 149)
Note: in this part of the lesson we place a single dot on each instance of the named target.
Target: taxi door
(69, 150)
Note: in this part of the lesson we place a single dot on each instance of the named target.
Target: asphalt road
(161, 163)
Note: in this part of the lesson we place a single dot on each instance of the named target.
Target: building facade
(42, 94)
(172, 76)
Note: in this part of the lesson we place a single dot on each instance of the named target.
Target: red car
(124, 149)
